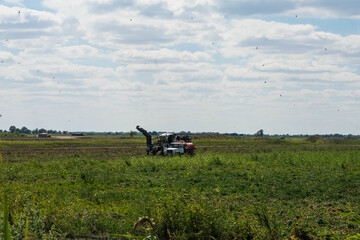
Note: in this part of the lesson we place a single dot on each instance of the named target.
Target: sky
(287, 67)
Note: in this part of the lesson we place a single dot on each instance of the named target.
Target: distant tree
(259, 133)
(25, 130)
(132, 133)
(42, 130)
(12, 129)
(185, 133)
(35, 131)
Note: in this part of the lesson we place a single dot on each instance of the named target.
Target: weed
(301, 233)
(128, 162)
(216, 161)
(353, 221)
(6, 224)
(146, 224)
(87, 177)
(187, 219)
(267, 222)
(29, 225)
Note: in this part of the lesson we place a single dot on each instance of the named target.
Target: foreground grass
(272, 194)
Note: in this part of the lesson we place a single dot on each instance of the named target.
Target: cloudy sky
(168, 65)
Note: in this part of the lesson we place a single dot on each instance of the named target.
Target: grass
(6, 225)
(86, 142)
(233, 192)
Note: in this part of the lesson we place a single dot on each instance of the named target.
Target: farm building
(44, 135)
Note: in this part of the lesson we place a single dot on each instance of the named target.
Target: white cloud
(200, 59)
(79, 51)
(15, 2)
(251, 36)
(321, 9)
(162, 55)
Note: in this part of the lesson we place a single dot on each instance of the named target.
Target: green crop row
(272, 194)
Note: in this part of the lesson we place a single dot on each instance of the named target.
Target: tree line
(260, 133)
(25, 130)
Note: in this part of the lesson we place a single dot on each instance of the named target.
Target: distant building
(77, 134)
(43, 135)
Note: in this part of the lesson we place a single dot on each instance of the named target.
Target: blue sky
(200, 65)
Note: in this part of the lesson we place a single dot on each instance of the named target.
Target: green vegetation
(234, 188)
(6, 229)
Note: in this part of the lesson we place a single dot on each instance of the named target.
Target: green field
(234, 188)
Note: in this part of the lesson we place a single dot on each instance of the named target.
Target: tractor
(168, 144)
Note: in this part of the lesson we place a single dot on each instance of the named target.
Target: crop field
(101, 187)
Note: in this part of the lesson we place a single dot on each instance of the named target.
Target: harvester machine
(168, 144)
